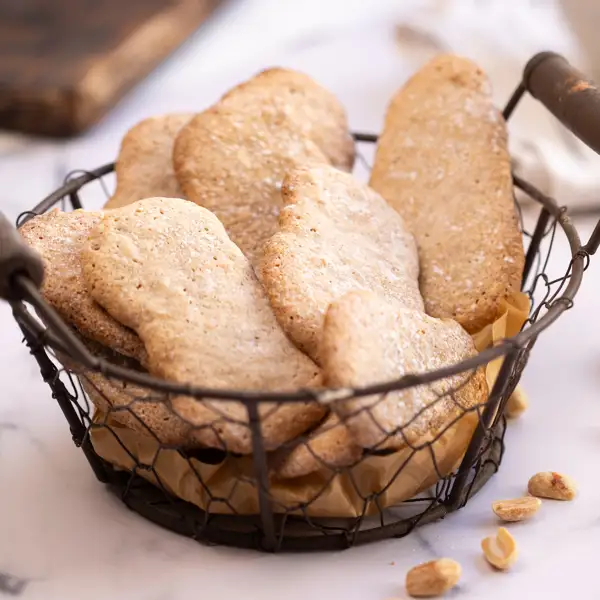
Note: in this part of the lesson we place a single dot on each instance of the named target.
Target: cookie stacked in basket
(240, 253)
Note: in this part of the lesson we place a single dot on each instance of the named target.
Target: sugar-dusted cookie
(368, 340)
(233, 163)
(336, 235)
(168, 270)
(317, 112)
(59, 237)
(233, 157)
(330, 446)
(442, 162)
(144, 167)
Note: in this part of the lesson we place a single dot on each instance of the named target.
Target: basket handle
(572, 98)
(16, 258)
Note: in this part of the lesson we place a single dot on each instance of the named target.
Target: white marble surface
(63, 536)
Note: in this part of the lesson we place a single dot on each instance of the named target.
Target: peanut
(518, 509)
(432, 578)
(552, 485)
(500, 550)
(517, 403)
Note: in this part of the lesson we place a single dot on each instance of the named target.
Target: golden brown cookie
(59, 237)
(139, 408)
(317, 112)
(136, 407)
(336, 235)
(442, 162)
(368, 340)
(329, 447)
(233, 163)
(144, 167)
(168, 270)
(232, 157)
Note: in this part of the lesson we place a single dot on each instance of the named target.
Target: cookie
(317, 112)
(368, 340)
(144, 167)
(168, 270)
(232, 157)
(336, 235)
(442, 162)
(59, 237)
(233, 163)
(139, 408)
(100, 351)
(136, 407)
(330, 446)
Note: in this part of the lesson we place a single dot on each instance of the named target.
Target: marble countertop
(62, 535)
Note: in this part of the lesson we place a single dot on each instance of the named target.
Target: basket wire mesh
(77, 376)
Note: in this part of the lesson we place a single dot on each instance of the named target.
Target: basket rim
(68, 343)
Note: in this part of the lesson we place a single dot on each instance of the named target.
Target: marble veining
(63, 536)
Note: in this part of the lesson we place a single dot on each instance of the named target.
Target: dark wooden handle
(16, 258)
(568, 94)
(573, 99)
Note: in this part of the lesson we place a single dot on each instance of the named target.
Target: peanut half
(518, 509)
(500, 550)
(432, 578)
(552, 485)
(517, 403)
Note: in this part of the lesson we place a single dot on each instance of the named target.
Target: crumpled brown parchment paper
(402, 474)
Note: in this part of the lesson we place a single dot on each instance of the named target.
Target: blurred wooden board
(65, 63)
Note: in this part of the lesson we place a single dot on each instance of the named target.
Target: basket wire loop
(276, 527)
(497, 398)
(262, 474)
(50, 374)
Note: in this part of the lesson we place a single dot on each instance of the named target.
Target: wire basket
(270, 525)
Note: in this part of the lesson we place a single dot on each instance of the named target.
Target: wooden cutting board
(65, 63)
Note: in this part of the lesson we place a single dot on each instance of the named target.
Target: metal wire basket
(270, 526)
